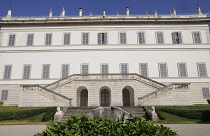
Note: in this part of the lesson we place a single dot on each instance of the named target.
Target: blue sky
(41, 7)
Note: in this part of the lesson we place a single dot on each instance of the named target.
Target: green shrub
(208, 100)
(190, 114)
(17, 115)
(1, 102)
(160, 114)
(83, 126)
(49, 115)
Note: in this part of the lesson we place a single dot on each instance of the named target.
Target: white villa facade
(119, 60)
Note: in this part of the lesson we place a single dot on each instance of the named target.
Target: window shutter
(180, 38)
(99, 38)
(105, 38)
(173, 38)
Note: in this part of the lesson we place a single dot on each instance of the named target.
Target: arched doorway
(105, 97)
(126, 97)
(84, 97)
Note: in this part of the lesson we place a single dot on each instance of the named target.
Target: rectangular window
(196, 37)
(11, 40)
(84, 69)
(163, 70)
(159, 36)
(144, 69)
(65, 71)
(66, 39)
(182, 70)
(202, 70)
(124, 68)
(26, 72)
(104, 69)
(122, 38)
(48, 40)
(102, 38)
(7, 72)
(85, 38)
(176, 37)
(205, 93)
(30, 39)
(141, 38)
(4, 95)
(46, 72)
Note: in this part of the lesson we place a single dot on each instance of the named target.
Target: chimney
(127, 11)
(173, 12)
(9, 13)
(90, 14)
(146, 13)
(62, 12)
(104, 13)
(199, 11)
(80, 12)
(50, 13)
(155, 13)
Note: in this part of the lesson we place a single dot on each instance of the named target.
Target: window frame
(5, 71)
(202, 89)
(81, 68)
(24, 71)
(180, 37)
(101, 38)
(3, 90)
(138, 38)
(121, 68)
(185, 69)
(160, 70)
(87, 39)
(62, 70)
(147, 69)
(14, 40)
(156, 34)
(120, 37)
(107, 68)
(64, 38)
(193, 36)
(27, 39)
(43, 71)
(46, 39)
(204, 68)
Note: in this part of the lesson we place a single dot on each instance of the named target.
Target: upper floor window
(65, 71)
(182, 70)
(85, 38)
(141, 37)
(85, 69)
(11, 40)
(4, 95)
(122, 38)
(124, 68)
(48, 40)
(163, 70)
(205, 93)
(143, 69)
(102, 38)
(176, 37)
(7, 72)
(30, 39)
(196, 37)
(104, 69)
(67, 39)
(26, 72)
(159, 36)
(202, 70)
(46, 71)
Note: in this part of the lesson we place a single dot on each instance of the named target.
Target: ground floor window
(205, 93)
(105, 97)
(4, 95)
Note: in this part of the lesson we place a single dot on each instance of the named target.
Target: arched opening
(84, 97)
(105, 97)
(128, 96)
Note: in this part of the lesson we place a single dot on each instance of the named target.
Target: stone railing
(161, 91)
(81, 77)
(50, 94)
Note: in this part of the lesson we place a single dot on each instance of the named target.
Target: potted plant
(1, 103)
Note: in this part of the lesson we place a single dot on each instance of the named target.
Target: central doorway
(84, 98)
(105, 97)
(126, 97)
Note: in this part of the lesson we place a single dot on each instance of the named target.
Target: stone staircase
(135, 110)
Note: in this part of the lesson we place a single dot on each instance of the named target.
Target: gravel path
(30, 130)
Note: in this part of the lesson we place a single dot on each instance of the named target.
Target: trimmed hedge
(208, 100)
(49, 115)
(17, 115)
(160, 114)
(83, 126)
(203, 115)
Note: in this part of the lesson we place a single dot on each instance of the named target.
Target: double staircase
(135, 110)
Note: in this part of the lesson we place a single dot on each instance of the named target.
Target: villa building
(105, 60)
